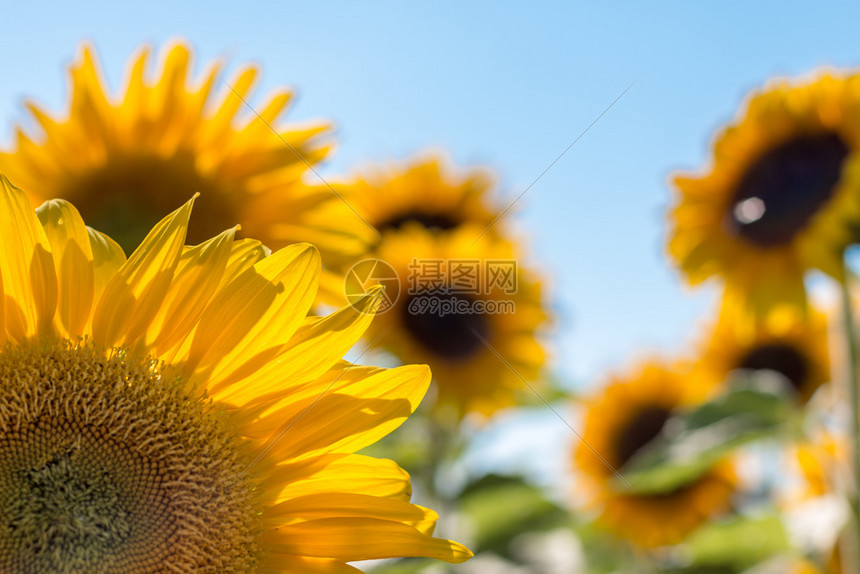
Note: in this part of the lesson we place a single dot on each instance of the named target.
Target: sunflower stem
(854, 398)
(442, 453)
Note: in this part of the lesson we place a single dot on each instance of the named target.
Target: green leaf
(739, 542)
(503, 507)
(696, 442)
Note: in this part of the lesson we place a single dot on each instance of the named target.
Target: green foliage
(738, 542)
(499, 508)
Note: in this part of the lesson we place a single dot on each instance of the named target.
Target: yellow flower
(792, 344)
(627, 415)
(180, 409)
(435, 223)
(781, 196)
(426, 192)
(126, 160)
(481, 343)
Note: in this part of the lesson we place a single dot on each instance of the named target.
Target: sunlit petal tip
(34, 108)
(422, 374)
(369, 301)
(459, 553)
(178, 46)
(306, 250)
(6, 184)
(143, 52)
(86, 51)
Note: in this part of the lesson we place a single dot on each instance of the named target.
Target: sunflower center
(436, 221)
(127, 196)
(783, 359)
(108, 465)
(450, 329)
(784, 188)
(640, 430)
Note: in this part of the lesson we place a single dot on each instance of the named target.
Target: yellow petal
(346, 414)
(73, 261)
(351, 539)
(27, 267)
(315, 347)
(134, 294)
(248, 415)
(91, 108)
(244, 255)
(196, 279)
(348, 504)
(108, 258)
(132, 105)
(2, 314)
(223, 117)
(250, 319)
(354, 473)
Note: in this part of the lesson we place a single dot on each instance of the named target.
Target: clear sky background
(509, 85)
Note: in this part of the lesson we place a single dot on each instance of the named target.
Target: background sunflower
(782, 194)
(125, 160)
(426, 191)
(487, 343)
(620, 421)
(795, 346)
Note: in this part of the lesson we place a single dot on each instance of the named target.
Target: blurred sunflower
(426, 192)
(126, 160)
(794, 346)
(626, 416)
(782, 194)
(179, 408)
(469, 310)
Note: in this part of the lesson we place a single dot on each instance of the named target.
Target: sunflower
(466, 308)
(126, 160)
(792, 344)
(438, 235)
(782, 194)
(626, 416)
(427, 191)
(178, 410)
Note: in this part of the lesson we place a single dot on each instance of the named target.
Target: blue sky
(509, 85)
